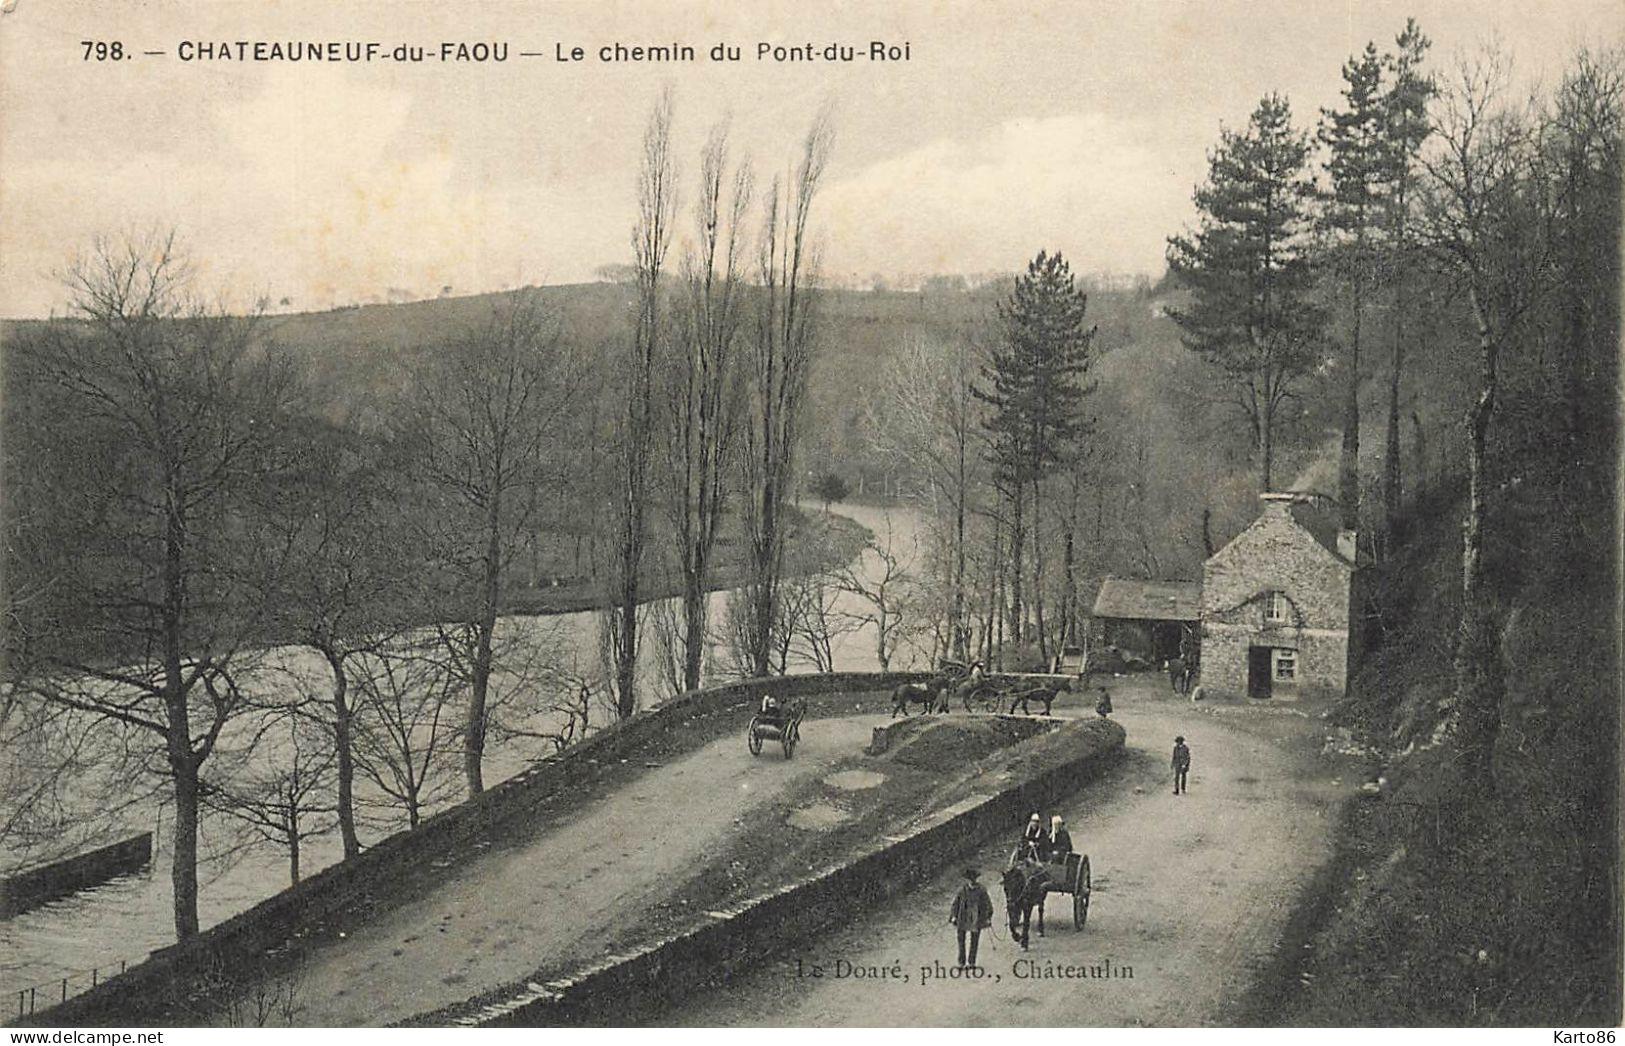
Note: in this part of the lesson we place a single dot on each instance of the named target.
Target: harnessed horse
(1025, 884)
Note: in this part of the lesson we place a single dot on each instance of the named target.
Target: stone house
(1275, 613)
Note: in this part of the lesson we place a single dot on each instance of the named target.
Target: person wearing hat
(1060, 840)
(1181, 764)
(971, 914)
(1034, 840)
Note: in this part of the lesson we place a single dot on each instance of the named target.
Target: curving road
(550, 901)
(1191, 895)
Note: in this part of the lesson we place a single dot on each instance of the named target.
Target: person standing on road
(1181, 764)
(972, 913)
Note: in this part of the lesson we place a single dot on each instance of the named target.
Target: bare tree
(1485, 223)
(813, 622)
(171, 415)
(884, 591)
(347, 589)
(781, 357)
(704, 386)
(279, 790)
(482, 417)
(403, 739)
(929, 420)
(657, 203)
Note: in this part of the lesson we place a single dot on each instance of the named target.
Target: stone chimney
(1278, 506)
(1347, 546)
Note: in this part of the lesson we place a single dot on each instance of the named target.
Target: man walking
(972, 913)
(1182, 765)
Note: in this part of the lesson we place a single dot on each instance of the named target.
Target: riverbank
(817, 543)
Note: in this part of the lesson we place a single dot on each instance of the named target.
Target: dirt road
(559, 897)
(1190, 896)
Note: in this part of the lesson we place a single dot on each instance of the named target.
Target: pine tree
(1248, 271)
(1037, 382)
(1406, 106)
(1360, 168)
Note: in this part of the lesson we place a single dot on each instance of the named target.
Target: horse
(1180, 674)
(931, 696)
(1044, 694)
(1025, 884)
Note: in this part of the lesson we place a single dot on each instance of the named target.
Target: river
(127, 917)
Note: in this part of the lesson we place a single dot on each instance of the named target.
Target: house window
(1276, 608)
(1286, 665)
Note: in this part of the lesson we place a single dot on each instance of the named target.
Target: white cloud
(1083, 184)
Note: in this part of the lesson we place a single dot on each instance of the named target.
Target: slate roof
(1133, 599)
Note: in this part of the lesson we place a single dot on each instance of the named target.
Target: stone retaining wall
(34, 886)
(623, 987)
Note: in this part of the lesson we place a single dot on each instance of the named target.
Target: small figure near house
(1181, 765)
(1034, 840)
(1060, 840)
(1103, 707)
(971, 914)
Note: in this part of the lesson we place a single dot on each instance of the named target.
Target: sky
(1074, 126)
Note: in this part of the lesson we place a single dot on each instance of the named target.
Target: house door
(1258, 671)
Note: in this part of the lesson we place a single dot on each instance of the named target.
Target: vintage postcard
(691, 515)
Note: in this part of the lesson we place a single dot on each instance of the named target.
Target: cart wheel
(754, 738)
(1080, 895)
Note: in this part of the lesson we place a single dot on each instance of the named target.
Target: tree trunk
(343, 731)
(183, 864)
(183, 764)
(1392, 473)
(1348, 487)
(1038, 571)
(293, 841)
(1017, 550)
(960, 635)
(1069, 582)
(474, 730)
(1266, 440)
(694, 614)
(1479, 680)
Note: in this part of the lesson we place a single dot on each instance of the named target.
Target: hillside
(1446, 905)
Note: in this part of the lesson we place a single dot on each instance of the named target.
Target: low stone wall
(152, 986)
(35, 886)
(622, 987)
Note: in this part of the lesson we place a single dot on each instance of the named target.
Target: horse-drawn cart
(783, 726)
(1028, 882)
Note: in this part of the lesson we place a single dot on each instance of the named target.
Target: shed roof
(1137, 600)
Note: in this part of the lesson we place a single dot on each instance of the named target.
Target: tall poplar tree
(1248, 270)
